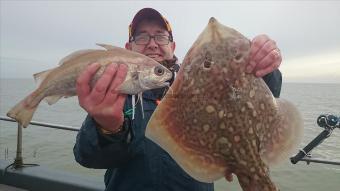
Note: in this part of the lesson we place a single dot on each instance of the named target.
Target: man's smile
(153, 55)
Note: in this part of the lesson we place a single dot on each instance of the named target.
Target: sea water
(53, 148)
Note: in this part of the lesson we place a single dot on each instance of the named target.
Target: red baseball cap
(148, 13)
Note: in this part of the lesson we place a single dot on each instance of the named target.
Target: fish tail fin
(23, 111)
(256, 181)
(286, 136)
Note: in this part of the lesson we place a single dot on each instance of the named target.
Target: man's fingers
(264, 51)
(119, 78)
(256, 45)
(268, 69)
(119, 104)
(269, 63)
(82, 86)
(114, 108)
(99, 90)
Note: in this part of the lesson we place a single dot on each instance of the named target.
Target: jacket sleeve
(274, 82)
(95, 150)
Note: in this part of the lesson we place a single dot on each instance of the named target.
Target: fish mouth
(160, 85)
(148, 86)
(164, 84)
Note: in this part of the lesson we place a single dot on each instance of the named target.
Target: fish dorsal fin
(39, 77)
(106, 46)
(74, 55)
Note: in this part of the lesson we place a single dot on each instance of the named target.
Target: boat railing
(18, 160)
(41, 178)
(328, 123)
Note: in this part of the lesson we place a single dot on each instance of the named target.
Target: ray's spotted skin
(218, 117)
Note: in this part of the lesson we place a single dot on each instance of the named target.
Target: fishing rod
(328, 123)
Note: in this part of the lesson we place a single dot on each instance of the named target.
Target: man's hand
(265, 56)
(102, 102)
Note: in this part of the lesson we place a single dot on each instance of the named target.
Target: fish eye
(208, 61)
(238, 57)
(159, 70)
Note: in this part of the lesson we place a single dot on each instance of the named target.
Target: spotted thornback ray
(218, 117)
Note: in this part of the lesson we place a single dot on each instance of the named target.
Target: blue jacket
(133, 162)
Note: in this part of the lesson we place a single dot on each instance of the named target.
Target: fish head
(154, 76)
(144, 73)
(219, 50)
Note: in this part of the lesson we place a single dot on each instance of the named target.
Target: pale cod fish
(143, 74)
(217, 117)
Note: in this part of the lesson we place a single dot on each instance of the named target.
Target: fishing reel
(329, 123)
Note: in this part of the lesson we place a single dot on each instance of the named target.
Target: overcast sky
(35, 35)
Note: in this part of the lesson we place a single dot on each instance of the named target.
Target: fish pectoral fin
(285, 136)
(52, 99)
(129, 87)
(106, 46)
(200, 165)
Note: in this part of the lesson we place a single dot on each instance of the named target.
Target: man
(110, 139)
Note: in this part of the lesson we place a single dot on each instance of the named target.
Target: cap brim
(144, 14)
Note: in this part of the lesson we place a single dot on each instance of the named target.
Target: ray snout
(212, 20)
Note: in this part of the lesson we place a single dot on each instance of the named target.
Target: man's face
(152, 49)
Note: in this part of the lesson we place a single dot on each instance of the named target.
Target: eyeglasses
(145, 39)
